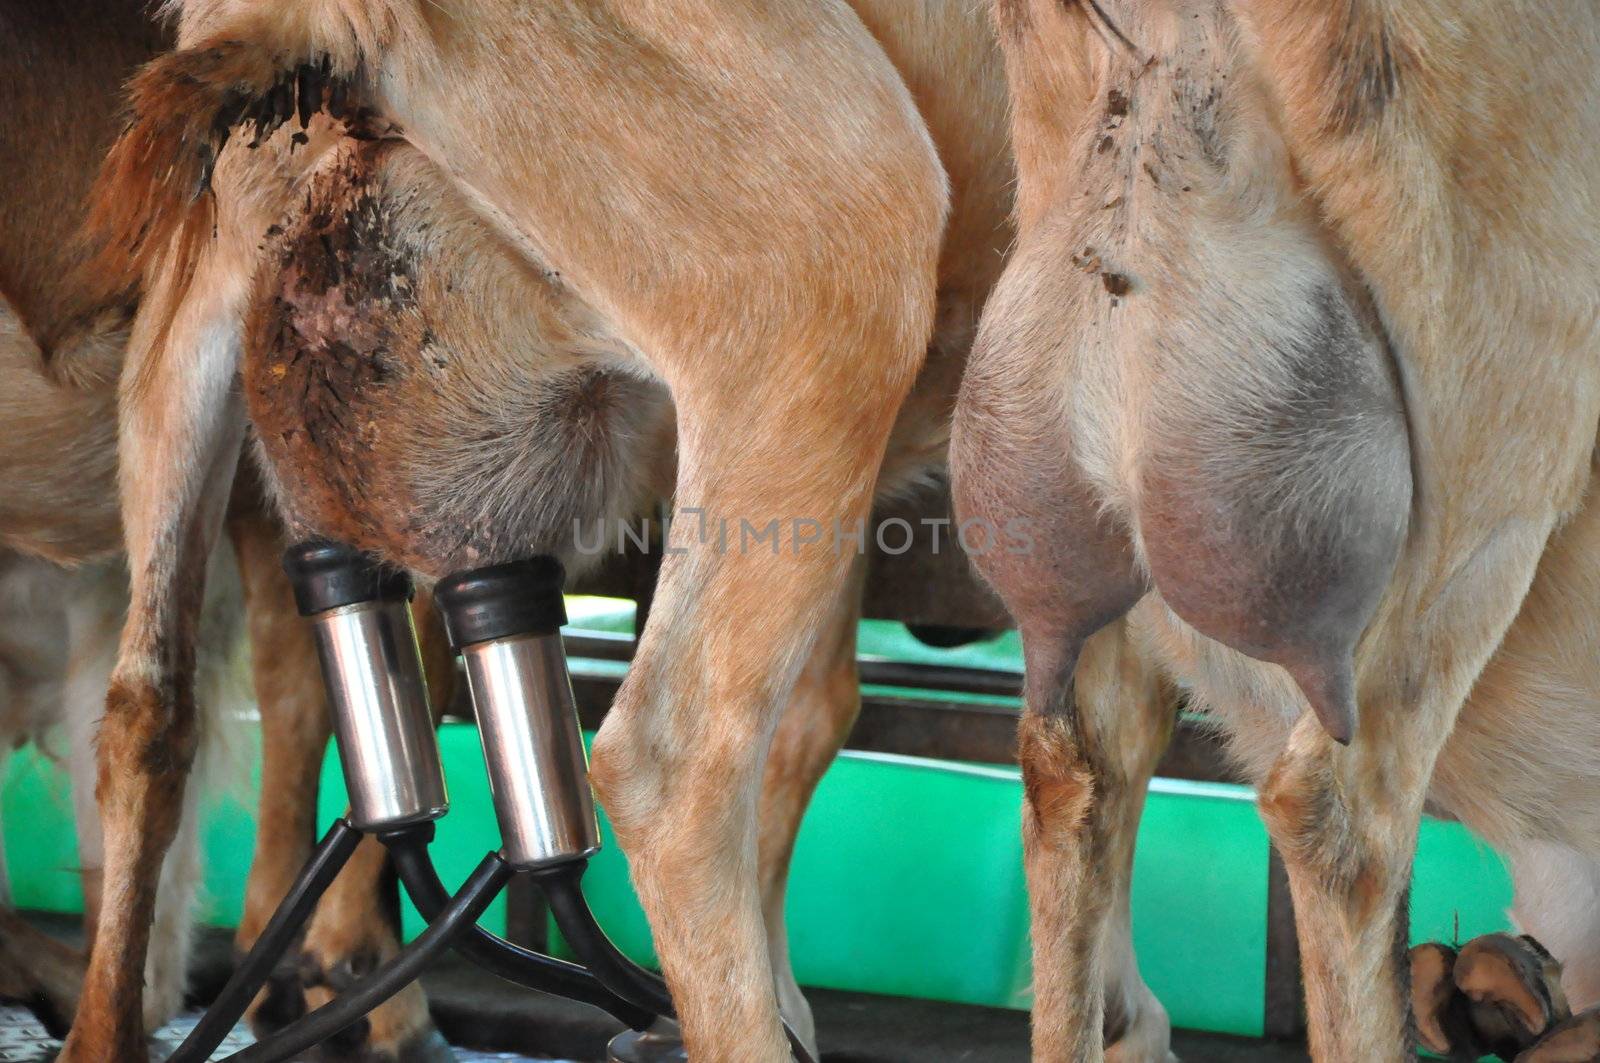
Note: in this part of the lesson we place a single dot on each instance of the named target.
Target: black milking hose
(373, 989)
(330, 855)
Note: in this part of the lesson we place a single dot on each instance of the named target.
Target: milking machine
(505, 622)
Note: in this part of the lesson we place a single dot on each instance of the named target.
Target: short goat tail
(153, 190)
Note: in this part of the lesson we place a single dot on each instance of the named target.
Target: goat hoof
(1442, 1013)
(398, 1031)
(659, 1044)
(1575, 1041)
(281, 1001)
(1136, 1028)
(1513, 987)
(53, 1015)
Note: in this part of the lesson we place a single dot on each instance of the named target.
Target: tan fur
(812, 729)
(1439, 161)
(66, 519)
(293, 736)
(1084, 788)
(670, 269)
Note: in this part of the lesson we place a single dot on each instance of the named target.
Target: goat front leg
(1345, 819)
(180, 437)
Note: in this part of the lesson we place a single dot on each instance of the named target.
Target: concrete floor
(22, 1040)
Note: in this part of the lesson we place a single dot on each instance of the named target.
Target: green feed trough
(907, 879)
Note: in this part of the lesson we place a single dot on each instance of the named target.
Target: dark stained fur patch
(320, 354)
(1368, 67)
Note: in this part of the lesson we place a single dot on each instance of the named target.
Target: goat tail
(152, 197)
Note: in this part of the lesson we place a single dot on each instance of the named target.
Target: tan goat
(1295, 368)
(466, 338)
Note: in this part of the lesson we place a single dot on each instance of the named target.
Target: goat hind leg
(1088, 744)
(1345, 819)
(1095, 722)
(728, 635)
(294, 718)
(147, 744)
(823, 708)
(1135, 714)
(98, 597)
(185, 453)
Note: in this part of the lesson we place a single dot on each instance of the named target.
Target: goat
(1294, 366)
(499, 239)
(61, 535)
(56, 651)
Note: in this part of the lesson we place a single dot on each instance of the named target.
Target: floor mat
(23, 1040)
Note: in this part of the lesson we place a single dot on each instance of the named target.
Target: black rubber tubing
(497, 955)
(373, 989)
(330, 855)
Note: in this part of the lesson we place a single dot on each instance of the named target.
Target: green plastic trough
(907, 879)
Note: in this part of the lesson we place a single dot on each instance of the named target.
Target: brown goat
(782, 299)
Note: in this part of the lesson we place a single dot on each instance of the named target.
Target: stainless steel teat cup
(505, 621)
(360, 612)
